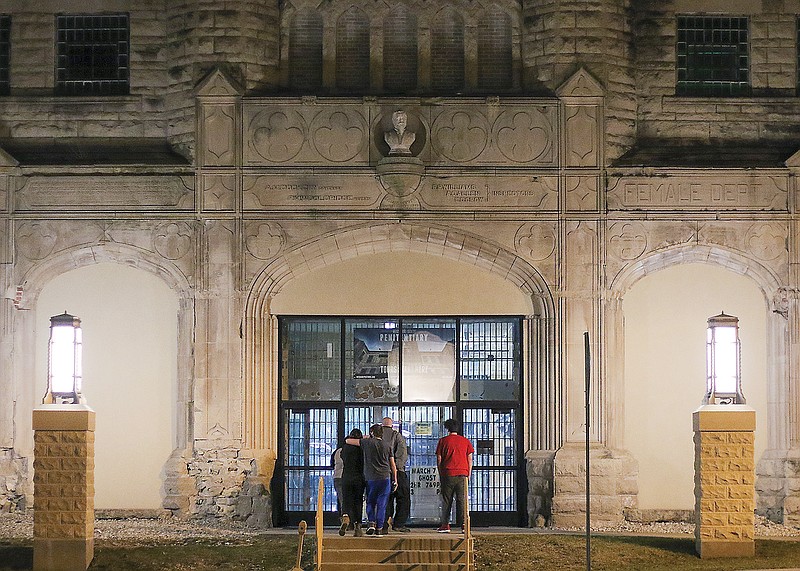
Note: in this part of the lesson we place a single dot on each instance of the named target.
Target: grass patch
(513, 552)
(523, 552)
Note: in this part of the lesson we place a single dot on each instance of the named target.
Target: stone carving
(264, 240)
(36, 240)
(218, 128)
(459, 136)
(399, 139)
(627, 240)
(765, 241)
(781, 300)
(173, 240)
(524, 136)
(581, 193)
(128, 192)
(582, 137)
(218, 192)
(277, 137)
(338, 136)
(687, 192)
(537, 241)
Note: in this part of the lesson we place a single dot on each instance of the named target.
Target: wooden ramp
(411, 552)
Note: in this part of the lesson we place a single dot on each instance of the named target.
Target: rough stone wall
(240, 37)
(560, 36)
(225, 489)
(773, 62)
(32, 111)
(14, 481)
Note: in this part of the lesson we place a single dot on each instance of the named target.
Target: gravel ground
(20, 526)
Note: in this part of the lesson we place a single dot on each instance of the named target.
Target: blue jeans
(377, 496)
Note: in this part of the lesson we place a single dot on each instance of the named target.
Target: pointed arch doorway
(415, 337)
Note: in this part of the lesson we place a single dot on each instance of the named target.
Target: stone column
(724, 478)
(63, 484)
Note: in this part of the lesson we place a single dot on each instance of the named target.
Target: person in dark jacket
(352, 485)
(380, 473)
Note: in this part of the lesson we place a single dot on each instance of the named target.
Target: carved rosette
(173, 240)
(459, 136)
(276, 135)
(536, 241)
(766, 241)
(339, 135)
(264, 240)
(627, 240)
(524, 136)
(36, 240)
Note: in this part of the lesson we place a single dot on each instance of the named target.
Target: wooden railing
(301, 530)
(467, 529)
(318, 521)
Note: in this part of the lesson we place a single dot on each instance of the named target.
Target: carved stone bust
(399, 139)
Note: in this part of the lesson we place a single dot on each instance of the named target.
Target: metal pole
(587, 377)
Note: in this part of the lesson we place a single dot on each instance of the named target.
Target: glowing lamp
(723, 361)
(64, 370)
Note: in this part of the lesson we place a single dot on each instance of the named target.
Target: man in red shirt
(454, 460)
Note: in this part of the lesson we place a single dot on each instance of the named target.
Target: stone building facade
(552, 150)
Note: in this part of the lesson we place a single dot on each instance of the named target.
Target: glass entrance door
(337, 374)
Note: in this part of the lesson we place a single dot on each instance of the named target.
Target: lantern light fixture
(64, 367)
(723, 361)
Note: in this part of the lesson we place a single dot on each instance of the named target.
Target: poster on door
(424, 484)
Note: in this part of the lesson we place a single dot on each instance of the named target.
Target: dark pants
(353, 498)
(453, 486)
(377, 496)
(399, 505)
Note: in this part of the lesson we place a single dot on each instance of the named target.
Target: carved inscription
(103, 192)
(683, 192)
(310, 192)
(539, 193)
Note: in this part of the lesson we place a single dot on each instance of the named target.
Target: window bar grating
(493, 487)
(310, 440)
(5, 54)
(712, 56)
(92, 54)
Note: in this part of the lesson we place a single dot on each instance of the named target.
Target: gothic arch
(766, 279)
(35, 279)
(260, 331)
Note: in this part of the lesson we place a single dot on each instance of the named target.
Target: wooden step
(413, 552)
(426, 542)
(383, 555)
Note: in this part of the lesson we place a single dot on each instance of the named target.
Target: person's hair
(356, 433)
(376, 430)
(451, 425)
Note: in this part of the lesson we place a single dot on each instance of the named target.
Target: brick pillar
(63, 487)
(725, 495)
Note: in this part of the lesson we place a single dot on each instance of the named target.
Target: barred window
(713, 56)
(5, 54)
(92, 54)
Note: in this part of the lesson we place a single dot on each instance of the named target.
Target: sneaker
(371, 528)
(444, 528)
(462, 529)
(385, 529)
(345, 523)
(380, 531)
(402, 529)
(358, 532)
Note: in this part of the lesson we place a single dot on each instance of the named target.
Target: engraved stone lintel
(105, 192)
(687, 192)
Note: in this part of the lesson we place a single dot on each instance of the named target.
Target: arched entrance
(129, 320)
(405, 287)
